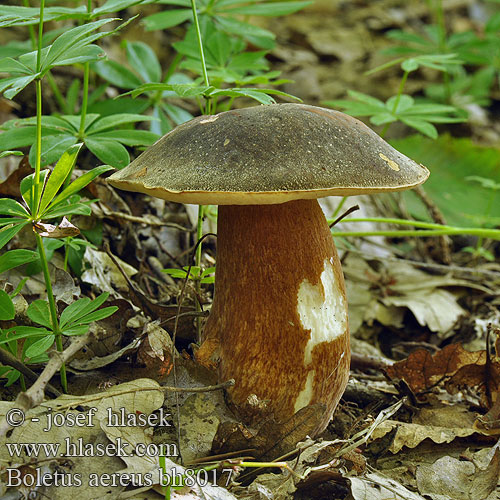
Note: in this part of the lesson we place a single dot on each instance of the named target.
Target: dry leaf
(453, 366)
(378, 487)
(461, 480)
(62, 230)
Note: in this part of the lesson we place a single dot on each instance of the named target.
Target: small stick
(141, 220)
(345, 214)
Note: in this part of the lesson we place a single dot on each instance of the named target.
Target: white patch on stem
(322, 310)
(305, 395)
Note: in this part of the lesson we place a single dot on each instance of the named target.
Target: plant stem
(173, 66)
(40, 34)
(38, 89)
(22, 381)
(61, 101)
(437, 229)
(26, 3)
(200, 43)
(197, 259)
(398, 98)
(199, 227)
(52, 307)
(85, 96)
(38, 157)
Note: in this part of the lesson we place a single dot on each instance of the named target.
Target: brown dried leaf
(64, 229)
(10, 187)
(453, 366)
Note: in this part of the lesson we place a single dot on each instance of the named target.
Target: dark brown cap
(266, 155)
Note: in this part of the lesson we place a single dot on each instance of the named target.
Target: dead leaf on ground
(449, 477)
(103, 273)
(10, 187)
(378, 487)
(454, 367)
(62, 230)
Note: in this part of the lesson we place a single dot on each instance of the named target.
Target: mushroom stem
(279, 314)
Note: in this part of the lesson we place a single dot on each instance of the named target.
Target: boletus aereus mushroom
(278, 324)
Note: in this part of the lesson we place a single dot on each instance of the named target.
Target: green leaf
(3, 154)
(353, 108)
(174, 272)
(116, 74)
(182, 90)
(177, 114)
(26, 188)
(166, 19)
(22, 332)
(40, 346)
(63, 209)
(15, 258)
(76, 330)
(7, 311)
(53, 147)
(410, 65)
(73, 39)
(12, 207)
(268, 9)
(365, 98)
(422, 126)
(81, 55)
(111, 152)
(79, 184)
(114, 121)
(17, 137)
(15, 85)
(80, 308)
(404, 103)
(111, 6)
(382, 118)
(143, 59)
(59, 174)
(450, 161)
(7, 233)
(130, 137)
(39, 312)
(257, 36)
(10, 65)
(98, 315)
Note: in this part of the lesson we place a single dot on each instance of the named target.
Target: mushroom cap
(268, 155)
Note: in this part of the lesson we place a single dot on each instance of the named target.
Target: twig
(207, 388)
(143, 220)
(6, 358)
(35, 394)
(344, 215)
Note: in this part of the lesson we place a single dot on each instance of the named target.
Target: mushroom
(278, 323)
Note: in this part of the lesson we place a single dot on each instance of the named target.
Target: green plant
(50, 194)
(226, 15)
(195, 273)
(461, 85)
(144, 67)
(416, 114)
(493, 187)
(74, 320)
